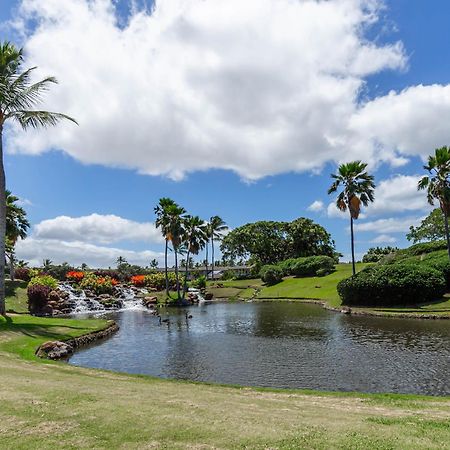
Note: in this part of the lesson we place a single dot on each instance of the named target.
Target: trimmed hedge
(271, 274)
(311, 265)
(392, 285)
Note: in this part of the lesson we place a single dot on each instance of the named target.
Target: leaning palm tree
(195, 236)
(217, 228)
(438, 185)
(16, 227)
(162, 222)
(358, 188)
(18, 97)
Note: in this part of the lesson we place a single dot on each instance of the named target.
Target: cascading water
(80, 303)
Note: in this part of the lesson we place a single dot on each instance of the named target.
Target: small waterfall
(78, 300)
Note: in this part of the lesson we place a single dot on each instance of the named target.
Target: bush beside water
(393, 285)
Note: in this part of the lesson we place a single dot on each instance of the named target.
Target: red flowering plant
(74, 275)
(138, 280)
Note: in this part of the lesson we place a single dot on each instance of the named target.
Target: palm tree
(217, 228)
(120, 261)
(208, 234)
(176, 232)
(162, 222)
(195, 236)
(16, 227)
(358, 188)
(18, 97)
(437, 184)
(47, 264)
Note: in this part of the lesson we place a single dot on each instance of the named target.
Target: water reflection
(280, 345)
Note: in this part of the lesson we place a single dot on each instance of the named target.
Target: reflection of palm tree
(16, 228)
(358, 189)
(195, 237)
(217, 228)
(162, 222)
(437, 184)
(17, 96)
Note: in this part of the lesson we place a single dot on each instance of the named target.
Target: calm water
(284, 345)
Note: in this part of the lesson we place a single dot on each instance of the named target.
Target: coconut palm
(162, 222)
(18, 97)
(358, 189)
(437, 184)
(217, 228)
(16, 227)
(195, 236)
(175, 233)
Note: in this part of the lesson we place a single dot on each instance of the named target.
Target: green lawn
(16, 296)
(48, 406)
(323, 289)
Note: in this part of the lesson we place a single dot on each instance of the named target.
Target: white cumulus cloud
(384, 239)
(316, 206)
(389, 225)
(97, 228)
(259, 87)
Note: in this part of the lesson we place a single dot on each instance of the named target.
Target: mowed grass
(48, 406)
(16, 296)
(324, 289)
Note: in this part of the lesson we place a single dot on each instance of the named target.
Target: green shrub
(44, 280)
(323, 272)
(98, 285)
(271, 274)
(287, 265)
(228, 275)
(309, 266)
(199, 282)
(392, 285)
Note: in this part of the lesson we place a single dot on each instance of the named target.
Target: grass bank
(54, 405)
(322, 289)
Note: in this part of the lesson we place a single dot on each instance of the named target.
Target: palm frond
(36, 119)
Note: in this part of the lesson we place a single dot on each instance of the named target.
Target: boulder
(346, 310)
(53, 296)
(149, 301)
(54, 350)
(209, 296)
(104, 296)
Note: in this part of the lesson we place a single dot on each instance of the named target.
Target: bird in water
(188, 316)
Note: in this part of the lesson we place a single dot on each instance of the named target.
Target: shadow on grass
(12, 286)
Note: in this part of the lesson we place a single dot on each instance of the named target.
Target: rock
(53, 296)
(346, 310)
(209, 296)
(149, 301)
(104, 296)
(54, 350)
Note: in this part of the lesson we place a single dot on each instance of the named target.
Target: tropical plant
(47, 264)
(437, 184)
(217, 229)
(37, 297)
(18, 96)
(162, 222)
(195, 238)
(16, 228)
(432, 228)
(75, 275)
(44, 280)
(98, 285)
(358, 188)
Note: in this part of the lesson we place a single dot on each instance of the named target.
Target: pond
(281, 345)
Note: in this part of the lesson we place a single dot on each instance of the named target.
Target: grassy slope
(323, 288)
(16, 296)
(59, 406)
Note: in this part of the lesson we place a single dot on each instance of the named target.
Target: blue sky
(64, 174)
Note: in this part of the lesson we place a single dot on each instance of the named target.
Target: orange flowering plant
(138, 280)
(74, 275)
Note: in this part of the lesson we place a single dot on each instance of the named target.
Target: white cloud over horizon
(316, 206)
(260, 88)
(35, 250)
(103, 229)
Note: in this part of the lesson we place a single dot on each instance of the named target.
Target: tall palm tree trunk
(2, 226)
(212, 258)
(176, 274)
(353, 245)
(447, 232)
(165, 268)
(186, 275)
(206, 266)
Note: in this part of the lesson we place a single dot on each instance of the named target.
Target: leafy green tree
(18, 96)
(437, 184)
(195, 236)
(217, 228)
(432, 228)
(358, 189)
(268, 242)
(17, 226)
(162, 222)
(375, 254)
